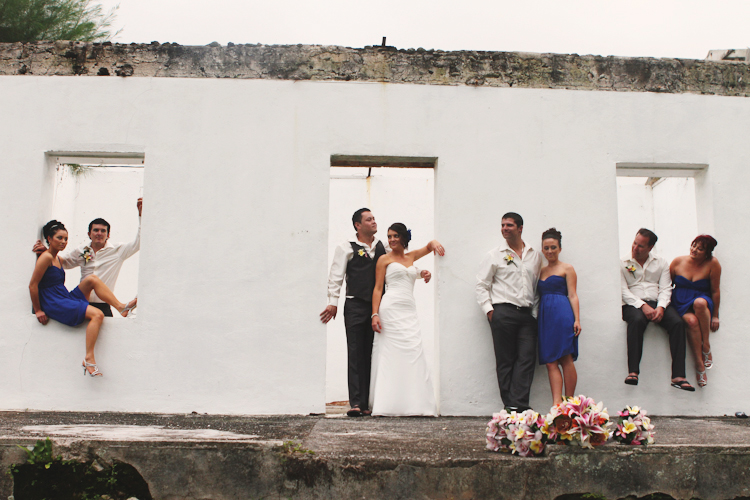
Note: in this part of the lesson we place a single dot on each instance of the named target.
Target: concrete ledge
(377, 64)
(179, 457)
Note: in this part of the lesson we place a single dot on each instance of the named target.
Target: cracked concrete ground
(242, 456)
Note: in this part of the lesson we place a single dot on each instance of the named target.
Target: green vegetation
(34, 20)
(45, 476)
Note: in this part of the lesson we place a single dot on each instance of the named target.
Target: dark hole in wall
(69, 480)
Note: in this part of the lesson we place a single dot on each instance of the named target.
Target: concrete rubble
(376, 64)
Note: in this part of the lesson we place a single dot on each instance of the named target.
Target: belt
(513, 306)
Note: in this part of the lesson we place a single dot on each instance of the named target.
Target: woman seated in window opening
(52, 300)
(696, 297)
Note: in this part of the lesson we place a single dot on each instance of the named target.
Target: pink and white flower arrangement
(519, 433)
(634, 427)
(578, 420)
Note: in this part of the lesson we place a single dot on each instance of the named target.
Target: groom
(355, 260)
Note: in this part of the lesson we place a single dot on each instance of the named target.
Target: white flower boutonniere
(361, 252)
(86, 255)
(509, 259)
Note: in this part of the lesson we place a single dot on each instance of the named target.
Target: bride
(401, 382)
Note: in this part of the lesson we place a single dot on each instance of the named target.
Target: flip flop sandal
(684, 385)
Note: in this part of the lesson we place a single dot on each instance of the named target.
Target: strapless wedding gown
(400, 383)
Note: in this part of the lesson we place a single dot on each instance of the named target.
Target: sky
(630, 28)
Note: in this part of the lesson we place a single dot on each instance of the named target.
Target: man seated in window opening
(646, 293)
(100, 257)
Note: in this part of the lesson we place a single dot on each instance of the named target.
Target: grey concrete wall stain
(377, 64)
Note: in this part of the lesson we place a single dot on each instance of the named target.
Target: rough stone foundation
(376, 64)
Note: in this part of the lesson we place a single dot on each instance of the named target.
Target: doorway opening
(395, 189)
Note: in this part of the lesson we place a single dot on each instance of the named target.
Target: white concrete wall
(234, 253)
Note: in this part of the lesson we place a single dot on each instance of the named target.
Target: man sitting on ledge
(100, 256)
(646, 292)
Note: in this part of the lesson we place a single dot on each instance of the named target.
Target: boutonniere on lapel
(361, 252)
(631, 268)
(86, 255)
(509, 259)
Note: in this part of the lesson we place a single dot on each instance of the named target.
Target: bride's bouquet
(634, 427)
(518, 433)
(578, 420)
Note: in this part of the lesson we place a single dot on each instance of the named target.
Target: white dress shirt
(506, 278)
(651, 281)
(106, 263)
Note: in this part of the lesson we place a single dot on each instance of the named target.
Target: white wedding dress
(400, 383)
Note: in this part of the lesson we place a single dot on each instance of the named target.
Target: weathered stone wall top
(376, 64)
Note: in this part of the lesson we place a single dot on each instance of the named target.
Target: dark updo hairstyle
(403, 234)
(51, 228)
(708, 242)
(554, 234)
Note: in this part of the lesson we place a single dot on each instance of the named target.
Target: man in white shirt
(506, 292)
(100, 256)
(355, 261)
(646, 292)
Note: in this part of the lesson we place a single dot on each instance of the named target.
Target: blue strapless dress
(556, 335)
(685, 292)
(69, 308)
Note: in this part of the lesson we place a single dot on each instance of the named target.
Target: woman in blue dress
(52, 300)
(559, 324)
(696, 295)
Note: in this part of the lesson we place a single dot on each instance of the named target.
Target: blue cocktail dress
(685, 292)
(57, 302)
(556, 335)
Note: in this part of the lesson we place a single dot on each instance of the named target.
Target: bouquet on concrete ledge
(578, 420)
(519, 433)
(634, 427)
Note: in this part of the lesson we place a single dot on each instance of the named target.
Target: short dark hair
(554, 234)
(647, 233)
(99, 221)
(51, 228)
(403, 234)
(357, 217)
(708, 242)
(516, 218)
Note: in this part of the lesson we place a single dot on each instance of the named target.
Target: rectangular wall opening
(396, 189)
(673, 200)
(87, 186)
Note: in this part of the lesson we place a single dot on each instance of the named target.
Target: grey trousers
(514, 336)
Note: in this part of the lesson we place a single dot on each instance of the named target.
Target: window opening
(90, 186)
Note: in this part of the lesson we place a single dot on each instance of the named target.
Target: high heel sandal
(702, 381)
(707, 362)
(124, 312)
(95, 373)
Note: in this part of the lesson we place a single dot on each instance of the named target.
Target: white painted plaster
(234, 254)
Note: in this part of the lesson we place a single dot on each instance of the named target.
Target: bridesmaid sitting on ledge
(696, 297)
(51, 299)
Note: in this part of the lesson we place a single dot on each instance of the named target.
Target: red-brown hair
(708, 242)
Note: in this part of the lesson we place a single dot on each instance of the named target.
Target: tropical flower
(361, 252)
(631, 268)
(634, 427)
(578, 420)
(510, 259)
(517, 433)
(86, 255)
